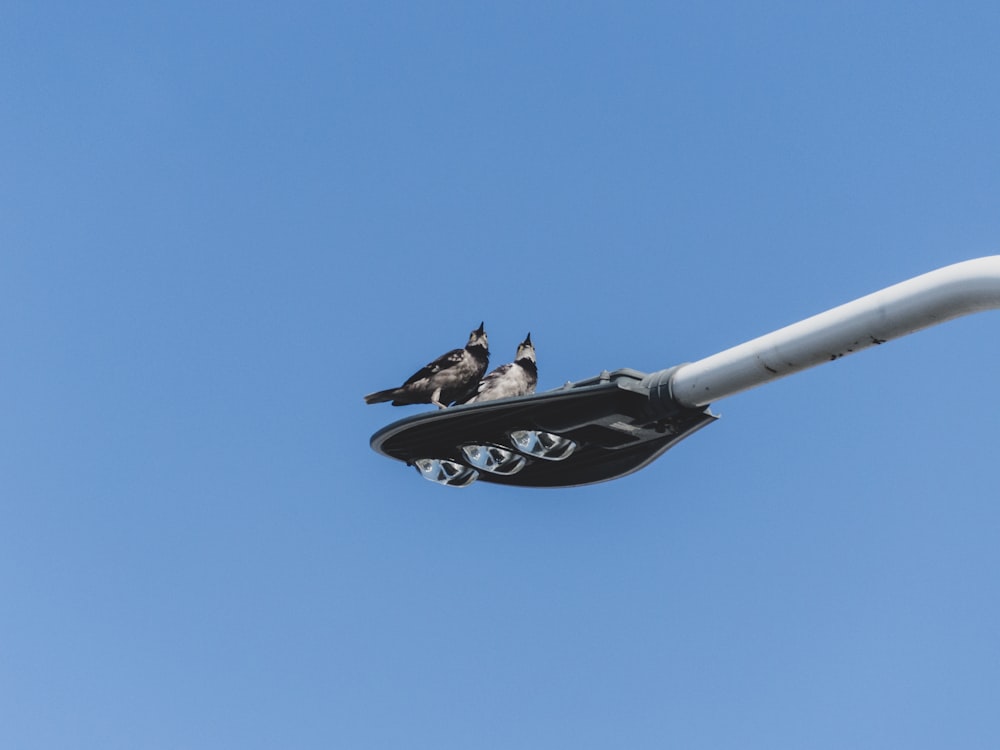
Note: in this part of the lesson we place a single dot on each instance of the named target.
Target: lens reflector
(494, 459)
(542, 444)
(444, 471)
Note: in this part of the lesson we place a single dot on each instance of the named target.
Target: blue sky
(221, 225)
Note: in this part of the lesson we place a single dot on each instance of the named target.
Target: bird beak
(480, 330)
(527, 339)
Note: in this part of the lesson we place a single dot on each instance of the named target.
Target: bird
(449, 378)
(517, 378)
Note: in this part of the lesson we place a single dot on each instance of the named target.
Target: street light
(616, 423)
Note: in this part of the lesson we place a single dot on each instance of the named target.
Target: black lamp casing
(620, 422)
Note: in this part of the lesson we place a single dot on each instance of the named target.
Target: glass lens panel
(542, 444)
(444, 471)
(494, 459)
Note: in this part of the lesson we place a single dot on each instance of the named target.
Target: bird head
(525, 350)
(478, 338)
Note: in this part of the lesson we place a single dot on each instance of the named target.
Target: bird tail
(379, 396)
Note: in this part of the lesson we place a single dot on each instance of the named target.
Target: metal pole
(949, 292)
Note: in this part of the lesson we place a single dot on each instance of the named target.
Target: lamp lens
(444, 471)
(494, 459)
(542, 444)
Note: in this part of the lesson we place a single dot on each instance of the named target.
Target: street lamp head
(585, 432)
(616, 423)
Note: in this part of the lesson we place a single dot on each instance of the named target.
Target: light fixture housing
(621, 421)
(590, 431)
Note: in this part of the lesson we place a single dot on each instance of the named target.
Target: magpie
(449, 378)
(517, 378)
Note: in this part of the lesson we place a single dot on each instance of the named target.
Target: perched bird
(517, 378)
(449, 378)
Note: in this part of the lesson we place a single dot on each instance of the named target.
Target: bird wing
(494, 379)
(443, 362)
(488, 383)
(497, 374)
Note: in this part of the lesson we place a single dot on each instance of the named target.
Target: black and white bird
(517, 378)
(449, 378)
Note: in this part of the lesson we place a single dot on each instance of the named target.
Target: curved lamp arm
(920, 302)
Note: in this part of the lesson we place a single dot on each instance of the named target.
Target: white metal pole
(949, 292)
